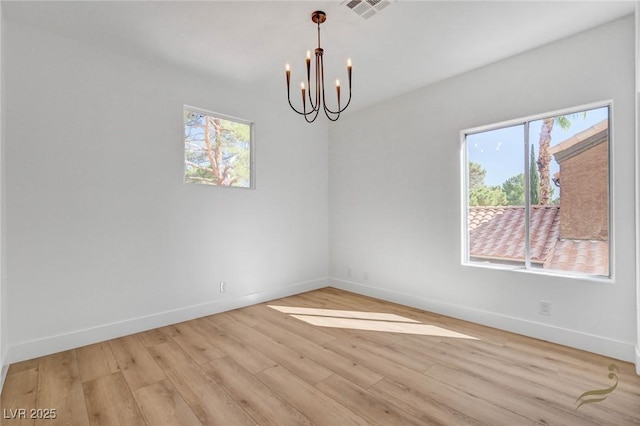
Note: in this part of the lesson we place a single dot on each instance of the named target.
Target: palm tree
(544, 157)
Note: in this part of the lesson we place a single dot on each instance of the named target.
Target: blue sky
(501, 151)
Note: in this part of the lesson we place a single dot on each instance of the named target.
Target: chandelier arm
(340, 109)
(329, 117)
(324, 103)
(320, 79)
(294, 108)
(321, 82)
(314, 117)
(316, 104)
(313, 106)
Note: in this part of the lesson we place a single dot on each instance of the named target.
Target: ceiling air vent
(367, 8)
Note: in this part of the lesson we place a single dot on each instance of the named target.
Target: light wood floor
(261, 366)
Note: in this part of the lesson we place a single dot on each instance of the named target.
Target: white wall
(394, 188)
(102, 236)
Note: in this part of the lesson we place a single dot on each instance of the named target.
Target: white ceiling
(407, 45)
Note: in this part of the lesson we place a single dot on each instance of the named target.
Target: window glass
(217, 149)
(496, 231)
(537, 193)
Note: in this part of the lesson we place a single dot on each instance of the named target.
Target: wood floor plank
(539, 366)
(151, 337)
(19, 393)
(265, 406)
(96, 360)
(177, 365)
(209, 401)
(161, 404)
(377, 411)
(244, 317)
(553, 352)
(24, 365)
(193, 343)
(428, 410)
(60, 388)
(390, 347)
(472, 358)
(289, 323)
(221, 318)
(110, 402)
(484, 333)
(316, 405)
(337, 363)
(249, 358)
(136, 364)
(287, 357)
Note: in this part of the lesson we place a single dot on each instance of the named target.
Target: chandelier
(318, 101)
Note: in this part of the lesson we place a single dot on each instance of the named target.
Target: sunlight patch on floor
(370, 321)
(341, 314)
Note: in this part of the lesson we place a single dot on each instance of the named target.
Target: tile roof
(579, 255)
(497, 233)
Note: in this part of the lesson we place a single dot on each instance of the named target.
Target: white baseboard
(25, 350)
(638, 359)
(597, 344)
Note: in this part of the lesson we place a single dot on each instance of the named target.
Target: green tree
(476, 175)
(534, 180)
(217, 151)
(487, 196)
(481, 194)
(513, 189)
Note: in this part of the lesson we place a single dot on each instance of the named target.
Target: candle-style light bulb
(338, 91)
(287, 70)
(304, 104)
(349, 63)
(308, 55)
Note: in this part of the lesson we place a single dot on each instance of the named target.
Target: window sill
(543, 272)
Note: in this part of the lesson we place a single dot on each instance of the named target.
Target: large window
(217, 149)
(537, 193)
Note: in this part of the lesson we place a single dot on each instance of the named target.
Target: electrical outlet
(545, 308)
(223, 286)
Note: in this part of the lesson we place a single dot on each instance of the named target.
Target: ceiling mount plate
(318, 17)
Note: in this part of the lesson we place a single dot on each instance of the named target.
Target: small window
(217, 149)
(537, 193)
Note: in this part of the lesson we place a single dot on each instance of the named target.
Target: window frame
(464, 192)
(251, 124)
